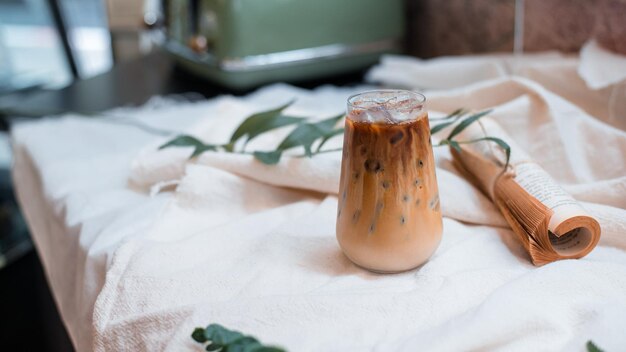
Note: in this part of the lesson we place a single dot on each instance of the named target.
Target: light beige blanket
(253, 247)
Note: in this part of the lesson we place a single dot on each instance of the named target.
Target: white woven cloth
(230, 244)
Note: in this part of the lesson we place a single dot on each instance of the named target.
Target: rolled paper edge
(580, 221)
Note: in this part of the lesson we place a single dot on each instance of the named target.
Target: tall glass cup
(388, 219)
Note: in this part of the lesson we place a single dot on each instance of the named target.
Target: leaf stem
(327, 151)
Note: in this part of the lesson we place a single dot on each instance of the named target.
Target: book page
(538, 183)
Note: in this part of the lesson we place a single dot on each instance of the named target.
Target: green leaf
(189, 141)
(329, 136)
(262, 122)
(459, 111)
(268, 158)
(225, 340)
(213, 347)
(269, 349)
(220, 335)
(441, 126)
(456, 114)
(502, 144)
(245, 344)
(453, 144)
(328, 124)
(198, 335)
(182, 141)
(591, 347)
(466, 122)
(307, 133)
(230, 147)
(200, 150)
(211, 330)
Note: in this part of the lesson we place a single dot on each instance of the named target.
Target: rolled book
(549, 222)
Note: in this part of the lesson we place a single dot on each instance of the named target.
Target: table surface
(134, 82)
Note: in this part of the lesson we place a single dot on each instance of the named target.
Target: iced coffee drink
(388, 219)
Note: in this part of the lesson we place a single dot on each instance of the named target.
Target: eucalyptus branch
(592, 347)
(306, 134)
(215, 337)
(462, 125)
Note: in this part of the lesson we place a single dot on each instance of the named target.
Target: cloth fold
(253, 247)
(534, 116)
(600, 67)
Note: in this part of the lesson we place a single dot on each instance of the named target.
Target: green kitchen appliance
(245, 43)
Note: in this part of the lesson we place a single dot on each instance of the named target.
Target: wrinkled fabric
(253, 247)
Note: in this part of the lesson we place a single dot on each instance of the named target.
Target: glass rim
(418, 98)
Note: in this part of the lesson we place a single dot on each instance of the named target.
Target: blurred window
(31, 50)
(89, 35)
